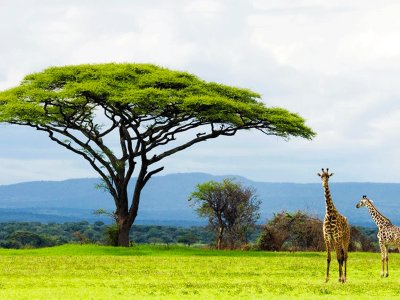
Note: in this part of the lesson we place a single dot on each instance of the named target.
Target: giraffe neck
(378, 218)
(330, 207)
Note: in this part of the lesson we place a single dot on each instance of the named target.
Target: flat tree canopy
(127, 117)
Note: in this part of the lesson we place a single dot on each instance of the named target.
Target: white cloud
(208, 8)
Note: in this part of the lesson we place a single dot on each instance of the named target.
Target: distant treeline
(285, 232)
(36, 234)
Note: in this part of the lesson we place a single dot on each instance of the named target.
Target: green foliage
(182, 273)
(36, 235)
(111, 235)
(141, 89)
(110, 231)
(188, 239)
(26, 239)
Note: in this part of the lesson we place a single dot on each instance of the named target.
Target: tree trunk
(219, 238)
(123, 235)
(127, 215)
(122, 217)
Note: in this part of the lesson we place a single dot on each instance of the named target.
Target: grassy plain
(157, 272)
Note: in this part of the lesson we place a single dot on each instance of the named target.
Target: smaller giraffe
(336, 231)
(388, 234)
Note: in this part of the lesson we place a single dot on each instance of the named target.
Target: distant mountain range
(164, 200)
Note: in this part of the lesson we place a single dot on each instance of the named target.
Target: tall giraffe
(388, 234)
(336, 231)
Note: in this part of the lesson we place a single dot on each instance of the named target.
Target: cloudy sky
(336, 63)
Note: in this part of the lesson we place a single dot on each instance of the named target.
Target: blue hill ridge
(164, 199)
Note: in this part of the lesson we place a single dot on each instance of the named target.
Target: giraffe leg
(382, 246)
(387, 261)
(346, 242)
(345, 255)
(328, 259)
(339, 257)
(340, 263)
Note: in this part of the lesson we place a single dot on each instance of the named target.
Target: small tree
(231, 209)
(124, 119)
(241, 214)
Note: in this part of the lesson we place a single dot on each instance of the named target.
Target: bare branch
(91, 160)
(224, 130)
(151, 173)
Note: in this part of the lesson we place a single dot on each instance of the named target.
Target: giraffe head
(363, 202)
(325, 175)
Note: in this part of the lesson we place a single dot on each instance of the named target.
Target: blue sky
(336, 63)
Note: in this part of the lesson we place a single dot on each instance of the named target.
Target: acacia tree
(232, 210)
(123, 119)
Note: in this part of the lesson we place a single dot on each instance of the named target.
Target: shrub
(301, 231)
(292, 232)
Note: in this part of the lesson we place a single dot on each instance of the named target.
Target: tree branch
(228, 131)
(91, 160)
(148, 176)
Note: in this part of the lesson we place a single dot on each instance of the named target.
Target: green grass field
(156, 272)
